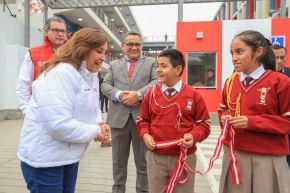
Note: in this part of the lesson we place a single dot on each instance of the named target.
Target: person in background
(171, 110)
(55, 36)
(210, 81)
(255, 102)
(103, 101)
(125, 84)
(280, 55)
(63, 115)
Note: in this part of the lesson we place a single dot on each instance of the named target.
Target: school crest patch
(263, 93)
(189, 104)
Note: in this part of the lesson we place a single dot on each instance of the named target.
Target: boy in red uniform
(171, 110)
(256, 103)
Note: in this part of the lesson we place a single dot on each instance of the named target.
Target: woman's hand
(105, 132)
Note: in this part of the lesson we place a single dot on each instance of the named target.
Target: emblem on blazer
(263, 93)
(189, 104)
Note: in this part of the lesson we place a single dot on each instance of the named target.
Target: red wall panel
(251, 9)
(212, 41)
(280, 27)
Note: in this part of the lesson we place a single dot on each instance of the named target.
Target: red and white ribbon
(182, 167)
(35, 6)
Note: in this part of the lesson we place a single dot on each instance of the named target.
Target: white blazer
(61, 117)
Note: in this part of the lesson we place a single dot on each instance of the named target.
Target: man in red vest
(55, 36)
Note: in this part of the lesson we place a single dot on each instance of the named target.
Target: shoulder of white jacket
(63, 70)
(66, 68)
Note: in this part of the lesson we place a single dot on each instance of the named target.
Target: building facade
(253, 9)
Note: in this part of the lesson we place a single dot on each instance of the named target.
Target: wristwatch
(140, 97)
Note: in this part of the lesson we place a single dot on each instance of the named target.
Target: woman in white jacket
(63, 115)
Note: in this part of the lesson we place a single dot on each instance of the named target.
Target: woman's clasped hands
(105, 132)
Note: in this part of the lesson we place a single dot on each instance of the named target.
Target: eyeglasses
(132, 45)
(55, 30)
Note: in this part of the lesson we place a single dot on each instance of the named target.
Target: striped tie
(247, 81)
(170, 92)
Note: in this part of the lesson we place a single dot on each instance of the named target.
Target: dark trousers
(61, 179)
(121, 142)
(104, 101)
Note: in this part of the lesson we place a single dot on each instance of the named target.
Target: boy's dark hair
(255, 40)
(277, 47)
(175, 57)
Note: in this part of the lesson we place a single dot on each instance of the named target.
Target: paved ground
(205, 151)
(95, 174)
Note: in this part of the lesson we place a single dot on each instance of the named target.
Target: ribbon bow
(182, 167)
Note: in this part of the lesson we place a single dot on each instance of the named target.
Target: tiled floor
(95, 172)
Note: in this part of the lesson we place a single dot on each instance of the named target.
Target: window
(201, 69)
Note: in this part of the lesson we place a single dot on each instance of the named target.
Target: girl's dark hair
(255, 40)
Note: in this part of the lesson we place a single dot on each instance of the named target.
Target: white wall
(37, 19)
(231, 28)
(11, 56)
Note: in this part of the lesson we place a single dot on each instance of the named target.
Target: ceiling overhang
(68, 4)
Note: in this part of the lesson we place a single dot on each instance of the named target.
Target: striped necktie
(170, 92)
(247, 81)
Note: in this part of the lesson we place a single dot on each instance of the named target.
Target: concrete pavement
(95, 171)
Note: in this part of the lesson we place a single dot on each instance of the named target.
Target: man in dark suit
(126, 83)
(280, 55)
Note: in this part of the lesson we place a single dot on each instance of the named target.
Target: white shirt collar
(256, 74)
(127, 59)
(87, 75)
(177, 86)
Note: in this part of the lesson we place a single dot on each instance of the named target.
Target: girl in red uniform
(256, 104)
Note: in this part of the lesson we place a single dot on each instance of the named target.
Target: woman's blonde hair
(77, 48)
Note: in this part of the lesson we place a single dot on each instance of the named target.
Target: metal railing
(102, 15)
(159, 38)
(5, 5)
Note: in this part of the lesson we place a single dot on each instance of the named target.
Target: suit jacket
(286, 71)
(144, 76)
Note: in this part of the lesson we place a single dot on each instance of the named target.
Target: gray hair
(131, 33)
(54, 19)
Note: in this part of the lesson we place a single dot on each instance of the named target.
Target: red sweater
(266, 103)
(160, 123)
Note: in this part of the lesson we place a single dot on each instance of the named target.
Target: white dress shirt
(24, 82)
(177, 87)
(256, 74)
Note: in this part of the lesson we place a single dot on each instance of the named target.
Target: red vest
(40, 55)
